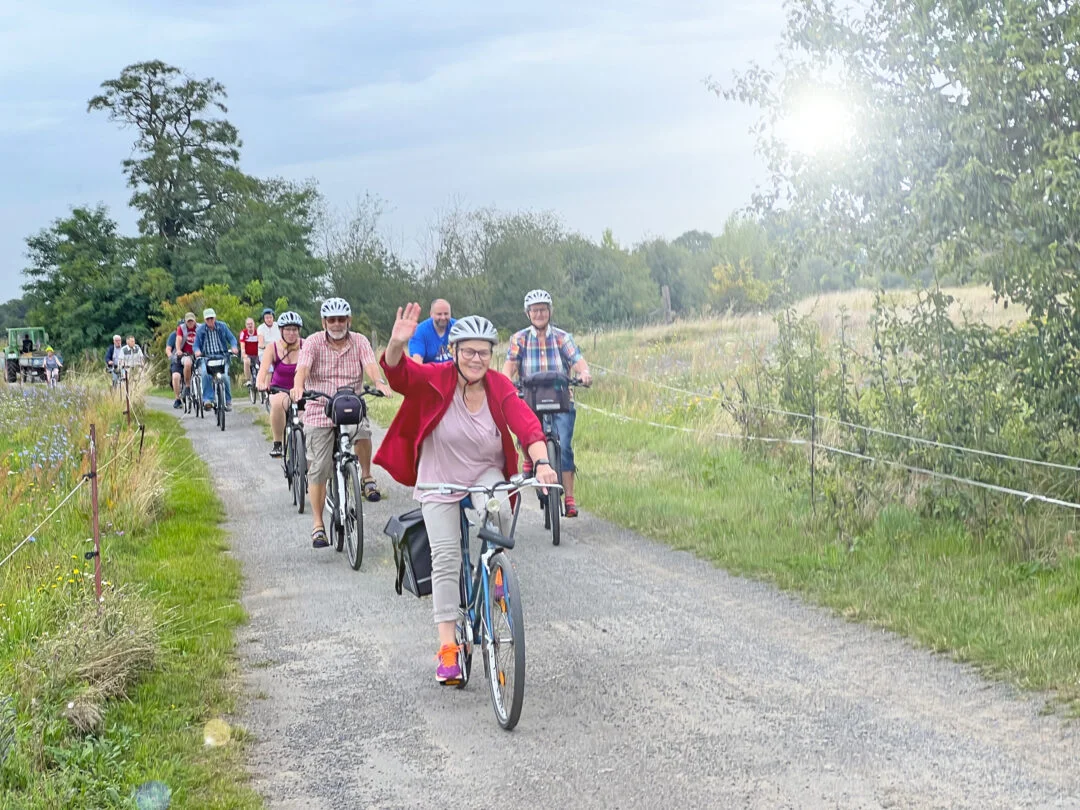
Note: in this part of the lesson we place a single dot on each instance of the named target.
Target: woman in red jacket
(456, 425)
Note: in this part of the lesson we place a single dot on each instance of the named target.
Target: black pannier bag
(345, 408)
(412, 552)
(215, 365)
(548, 392)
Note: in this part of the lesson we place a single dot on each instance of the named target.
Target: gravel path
(654, 680)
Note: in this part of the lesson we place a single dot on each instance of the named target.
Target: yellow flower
(71, 581)
(77, 571)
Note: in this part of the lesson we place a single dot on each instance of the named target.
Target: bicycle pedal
(451, 682)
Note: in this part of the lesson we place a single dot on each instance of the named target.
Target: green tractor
(25, 354)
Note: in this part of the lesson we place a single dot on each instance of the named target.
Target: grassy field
(747, 508)
(108, 708)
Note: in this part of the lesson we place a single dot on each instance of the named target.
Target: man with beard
(430, 343)
(329, 360)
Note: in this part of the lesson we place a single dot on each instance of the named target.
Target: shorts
(320, 443)
(176, 365)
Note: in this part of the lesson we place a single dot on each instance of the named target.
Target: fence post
(142, 435)
(127, 400)
(813, 455)
(94, 513)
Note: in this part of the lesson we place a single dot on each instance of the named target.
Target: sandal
(371, 489)
(318, 538)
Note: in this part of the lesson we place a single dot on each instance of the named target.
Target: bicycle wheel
(352, 510)
(253, 392)
(554, 497)
(504, 642)
(299, 478)
(463, 633)
(219, 402)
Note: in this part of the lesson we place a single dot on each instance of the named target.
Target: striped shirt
(330, 369)
(554, 350)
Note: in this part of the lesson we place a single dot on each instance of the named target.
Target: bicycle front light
(493, 506)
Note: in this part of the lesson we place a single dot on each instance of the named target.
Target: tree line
(210, 234)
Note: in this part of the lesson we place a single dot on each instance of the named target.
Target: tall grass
(100, 697)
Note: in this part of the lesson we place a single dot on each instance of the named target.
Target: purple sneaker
(449, 671)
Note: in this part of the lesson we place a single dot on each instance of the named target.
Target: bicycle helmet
(537, 297)
(473, 327)
(289, 318)
(268, 311)
(335, 306)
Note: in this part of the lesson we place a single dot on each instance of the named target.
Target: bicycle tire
(253, 392)
(287, 457)
(299, 481)
(463, 635)
(336, 529)
(554, 496)
(500, 664)
(352, 510)
(219, 402)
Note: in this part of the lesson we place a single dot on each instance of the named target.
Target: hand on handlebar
(585, 378)
(384, 389)
(545, 474)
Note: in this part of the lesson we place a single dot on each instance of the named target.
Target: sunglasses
(337, 319)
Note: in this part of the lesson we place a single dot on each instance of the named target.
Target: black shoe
(228, 406)
(277, 451)
(177, 405)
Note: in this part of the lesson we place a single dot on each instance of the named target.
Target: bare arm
(374, 373)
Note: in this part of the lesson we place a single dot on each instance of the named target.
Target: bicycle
(217, 366)
(547, 394)
(191, 393)
(491, 607)
(344, 496)
(253, 390)
(294, 449)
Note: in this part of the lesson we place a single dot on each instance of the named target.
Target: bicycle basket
(345, 408)
(548, 392)
(412, 552)
(215, 365)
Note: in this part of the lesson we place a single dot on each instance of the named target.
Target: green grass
(928, 579)
(179, 565)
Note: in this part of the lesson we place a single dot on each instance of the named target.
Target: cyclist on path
(183, 358)
(282, 356)
(250, 340)
(332, 359)
(268, 330)
(112, 359)
(457, 425)
(215, 340)
(430, 343)
(543, 347)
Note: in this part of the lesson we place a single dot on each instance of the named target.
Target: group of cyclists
(123, 357)
(461, 420)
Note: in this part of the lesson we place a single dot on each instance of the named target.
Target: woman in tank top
(281, 356)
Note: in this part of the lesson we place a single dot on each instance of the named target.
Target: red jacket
(428, 389)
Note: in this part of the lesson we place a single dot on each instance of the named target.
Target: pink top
(331, 369)
(461, 448)
(284, 373)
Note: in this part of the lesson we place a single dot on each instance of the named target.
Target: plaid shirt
(329, 370)
(533, 352)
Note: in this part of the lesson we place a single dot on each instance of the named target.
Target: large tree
(182, 152)
(963, 154)
(84, 284)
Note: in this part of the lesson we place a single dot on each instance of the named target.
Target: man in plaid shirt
(543, 347)
(329, 360)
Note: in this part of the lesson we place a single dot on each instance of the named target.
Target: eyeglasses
(469, 354)
(337, 319)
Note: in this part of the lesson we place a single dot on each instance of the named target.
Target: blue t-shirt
(427, 343)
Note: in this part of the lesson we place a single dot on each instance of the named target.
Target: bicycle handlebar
(367, 391)
(515, 484)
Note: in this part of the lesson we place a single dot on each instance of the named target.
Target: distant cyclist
(131, 354)
(456, 426)
(430, 344)
(52, 366)
(268, 330)
(183, 358)
(112, 359)
(543, 347)
(214, 340)
(282, 356)
(334, 358)
(249, 340)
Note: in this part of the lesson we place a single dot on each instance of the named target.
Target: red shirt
(428, 389)
(186, 346)
(250, 342)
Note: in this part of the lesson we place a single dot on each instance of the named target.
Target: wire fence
(841, 423)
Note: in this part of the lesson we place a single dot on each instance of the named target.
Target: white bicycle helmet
(473, 327)
(537, 297)
(335, 306)
(289, 318)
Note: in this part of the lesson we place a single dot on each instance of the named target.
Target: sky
(596, 111)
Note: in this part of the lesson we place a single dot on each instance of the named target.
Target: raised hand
(406, 322)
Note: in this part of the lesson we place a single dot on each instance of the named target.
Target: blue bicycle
(490, 599)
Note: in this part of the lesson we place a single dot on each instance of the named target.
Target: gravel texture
(654, 680)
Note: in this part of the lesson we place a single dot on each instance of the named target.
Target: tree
(14, 313)
(964, 156)
(182, 153)
(83, 282)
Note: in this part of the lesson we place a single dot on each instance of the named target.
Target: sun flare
(818, 122)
